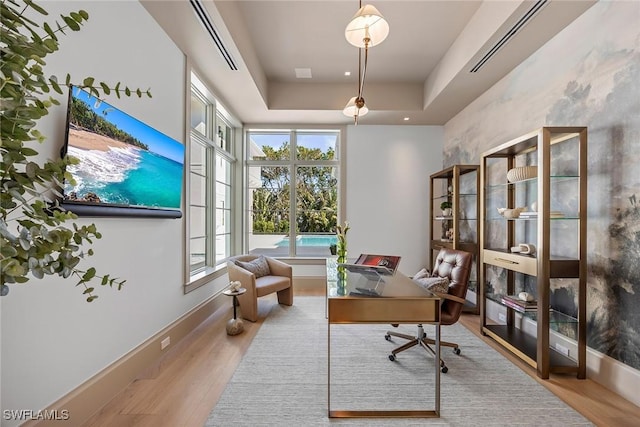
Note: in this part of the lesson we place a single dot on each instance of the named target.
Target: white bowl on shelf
(521, 173)
(511, 213)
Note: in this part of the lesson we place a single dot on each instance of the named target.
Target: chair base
(420, 339)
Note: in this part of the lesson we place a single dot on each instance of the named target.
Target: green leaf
(49, 31)
(71, 23)
(36, 7)
(105, 88)
(88, 82)
(89, 274)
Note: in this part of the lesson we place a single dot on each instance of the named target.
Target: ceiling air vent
(204, 18)
(509, 35)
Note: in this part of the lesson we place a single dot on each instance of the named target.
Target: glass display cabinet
(533, 248)
(454, 219)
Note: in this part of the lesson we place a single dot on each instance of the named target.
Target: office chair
(456, 266)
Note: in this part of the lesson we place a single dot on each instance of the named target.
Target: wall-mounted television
(126, 168)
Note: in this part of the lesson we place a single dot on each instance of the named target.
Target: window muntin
(223, 208)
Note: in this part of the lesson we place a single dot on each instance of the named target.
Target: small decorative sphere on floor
(235, 326)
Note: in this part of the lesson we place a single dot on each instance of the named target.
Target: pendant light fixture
(366, 29)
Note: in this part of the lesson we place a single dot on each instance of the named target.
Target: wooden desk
(399, 300)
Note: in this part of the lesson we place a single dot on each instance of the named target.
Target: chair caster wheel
(444, 370)
(387, 337)
(392, 357)
(442, 364)
(456, 351)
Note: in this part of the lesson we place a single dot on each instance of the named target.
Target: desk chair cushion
(421, 274)
(434, 284)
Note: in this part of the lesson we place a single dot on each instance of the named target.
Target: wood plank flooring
(183, 387)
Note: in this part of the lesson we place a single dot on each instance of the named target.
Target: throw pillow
(434, 284)
(259, 266)
(422, 273)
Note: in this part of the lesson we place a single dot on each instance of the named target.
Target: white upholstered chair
(260, 276)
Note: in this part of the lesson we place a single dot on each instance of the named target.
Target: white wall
(52, 340)
(388, 169)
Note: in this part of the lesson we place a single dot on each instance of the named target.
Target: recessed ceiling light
(347, 73)
(406, 119)
(303, 73)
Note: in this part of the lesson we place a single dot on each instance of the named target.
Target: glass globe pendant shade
(352, 109)
(367, 23)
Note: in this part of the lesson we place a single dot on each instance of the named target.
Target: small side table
(235, 326)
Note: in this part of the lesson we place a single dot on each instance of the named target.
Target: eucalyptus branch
(37, 241)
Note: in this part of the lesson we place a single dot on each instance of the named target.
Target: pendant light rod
(366, 29)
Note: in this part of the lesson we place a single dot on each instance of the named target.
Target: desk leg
(328, 369)
(437, 369)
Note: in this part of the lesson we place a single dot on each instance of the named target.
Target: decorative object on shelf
(366, 29)
(521, 173)
(526, 296)
(333, 249)
(450, 234)
(511, 213)
(524, 248)
(446, 208)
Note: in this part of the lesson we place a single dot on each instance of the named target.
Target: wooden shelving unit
(553, 337)
(459, 185)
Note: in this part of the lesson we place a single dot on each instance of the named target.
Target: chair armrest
(245, 277)
(451, 297)
(279, 268)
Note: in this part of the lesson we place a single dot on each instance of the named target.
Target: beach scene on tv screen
(122, 161)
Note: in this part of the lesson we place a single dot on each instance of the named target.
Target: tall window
(211, 171)
(293, 184)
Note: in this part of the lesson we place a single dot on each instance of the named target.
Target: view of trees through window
(311, 219)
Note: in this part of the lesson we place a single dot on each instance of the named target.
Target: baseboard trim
(605, 370)
(614, 375)
(307, 283)
(88, 398)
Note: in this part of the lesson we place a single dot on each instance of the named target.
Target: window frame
(215, 115)
(293, 163)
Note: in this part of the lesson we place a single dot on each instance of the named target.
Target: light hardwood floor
(183, 387)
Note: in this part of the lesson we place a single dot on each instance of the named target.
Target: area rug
(282, 379)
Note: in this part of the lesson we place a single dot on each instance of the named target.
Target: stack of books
(517, 304)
